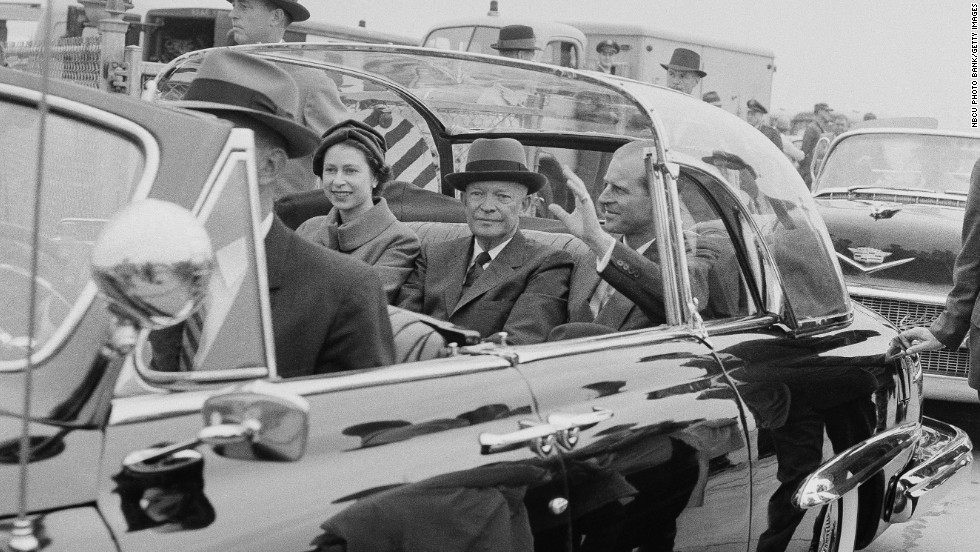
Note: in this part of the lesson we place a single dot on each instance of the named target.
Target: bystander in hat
(516, 37)
(712, 98)
(755, 106)
(685, 60)
(292, 7)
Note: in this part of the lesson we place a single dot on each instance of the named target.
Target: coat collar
(278, 250)
(351, 235)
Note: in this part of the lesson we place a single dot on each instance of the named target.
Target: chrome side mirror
(276, 424)
(153, 261)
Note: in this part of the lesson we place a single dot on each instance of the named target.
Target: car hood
(894, 246)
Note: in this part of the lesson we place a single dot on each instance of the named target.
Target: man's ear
(270, 164)
(526, 202)
(279, 17)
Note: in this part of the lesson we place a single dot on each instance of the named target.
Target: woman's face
(348, 180)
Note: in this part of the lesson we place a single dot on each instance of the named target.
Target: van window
(562, 53)
(452, 38)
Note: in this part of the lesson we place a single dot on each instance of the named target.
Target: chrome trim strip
(849, 469)
(151, 166)
(876, 293)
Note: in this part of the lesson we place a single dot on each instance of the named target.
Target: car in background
(893, 199)
(703, 433)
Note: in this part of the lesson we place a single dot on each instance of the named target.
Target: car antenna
(22, 537)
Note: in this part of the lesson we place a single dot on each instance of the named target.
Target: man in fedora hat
(606, 50)
(756, 116)
(627, 290)
(518, 42)
(684, 70)
(495, 280)
(823, 117)
(712, 98)
(329, 312)
(265, 21)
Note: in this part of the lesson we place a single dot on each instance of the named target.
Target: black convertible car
(769, 419)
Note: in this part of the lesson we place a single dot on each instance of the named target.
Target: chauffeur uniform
(523, 291)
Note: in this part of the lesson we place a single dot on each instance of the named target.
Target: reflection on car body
(894, 199)
(677, 437)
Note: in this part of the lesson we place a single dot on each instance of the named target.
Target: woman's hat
(611, 44)
(292, 7)
(500, 159)
(229, 81)
(685, 60)
(350, 129)
(516, 37)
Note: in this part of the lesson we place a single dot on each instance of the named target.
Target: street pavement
(951, 525)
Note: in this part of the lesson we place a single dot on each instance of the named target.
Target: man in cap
(265, 21)
(495, 280)
(712, 98)
(517, 41)
(684, 70)
(756, 117)
(329, 312)
(606, 49)
(627, 290)
(820, 125)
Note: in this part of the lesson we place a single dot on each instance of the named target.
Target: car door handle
(539, 437)
(561, 420)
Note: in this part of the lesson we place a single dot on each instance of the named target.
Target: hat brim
(300, 141)
(296, 11)
(532, 180)
(699, 72)
(517, 44)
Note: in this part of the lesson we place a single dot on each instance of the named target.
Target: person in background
(496, 280)
(756, 117)
(841, 125)
(316, 328)
(684, 70)
(265, 21)
(712, 98)
(821, 124)
(606, 50)
(782, 124)
(351, 163)
(517, 42)
(869, 116)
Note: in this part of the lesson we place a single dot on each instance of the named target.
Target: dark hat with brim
(295, 10)
(754, 105)
(610, 44)
(685, 60)
(498, 159)
(234, 82)
(822, 107)
(711, 97)
(516, 37)
(353, 130)
(728, 160)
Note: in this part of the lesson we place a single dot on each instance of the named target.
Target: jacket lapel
(498, 271)
(452, 270)
(277, 252)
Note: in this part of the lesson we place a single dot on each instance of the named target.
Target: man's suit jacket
(319, 108)
(638, 301)
(962, 312)
(329, 312)
(523, 291)
(772, 134)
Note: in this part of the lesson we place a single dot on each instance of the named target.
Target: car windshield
(772, 190)
(484, 94)
(903, 162)
(88, 174)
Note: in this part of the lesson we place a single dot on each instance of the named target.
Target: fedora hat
(350, 129)
(496, 159)
(685, 60)
(296, 11)
(754, 105)
(822, 106)
(711, 97)
(516, 37)
(229, 81)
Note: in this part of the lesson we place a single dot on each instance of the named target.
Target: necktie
(600, 297)
(476, 269)
(191, 340)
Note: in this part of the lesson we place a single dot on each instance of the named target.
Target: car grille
(905, 314)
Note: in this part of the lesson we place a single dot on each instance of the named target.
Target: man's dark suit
(962, 310)
(329, 312)
(772, 134)
(638, 301)
(523, 291)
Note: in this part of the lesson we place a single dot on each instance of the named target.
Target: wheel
(837, 527)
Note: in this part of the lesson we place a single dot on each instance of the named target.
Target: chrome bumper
(941, 459)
